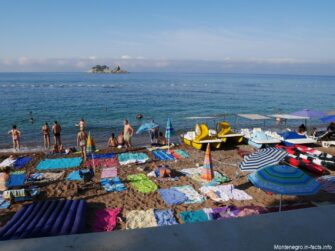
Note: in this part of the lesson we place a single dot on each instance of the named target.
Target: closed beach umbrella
(168, 131)
(284, 180)
(207, 172)
(309, 113)
(328, 119)
(261, 158)
(90, 147)
(146, 127)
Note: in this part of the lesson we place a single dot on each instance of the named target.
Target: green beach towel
(141, 183)
(193, 216)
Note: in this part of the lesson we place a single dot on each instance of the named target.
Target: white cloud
(126, 57)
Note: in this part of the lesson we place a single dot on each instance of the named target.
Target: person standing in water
(56, 129)
(46, 135)
(128, 132)
(81, 124)
(81, 142)
(16, 134)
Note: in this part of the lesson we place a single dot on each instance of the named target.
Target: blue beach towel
(61, 163)
(101, 156)
(21, 162)
(75, 174)
(16, 179)
(162, 155)
(165, 217)
(172, 196)
(112, 184)
(291, 135)
(3, 203)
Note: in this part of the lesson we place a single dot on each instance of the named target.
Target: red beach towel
(102, 162)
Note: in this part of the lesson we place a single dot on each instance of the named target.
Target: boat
(201, 136)
(258, 138)
(225, 133)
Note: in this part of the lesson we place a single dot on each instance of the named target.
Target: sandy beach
(225, 161)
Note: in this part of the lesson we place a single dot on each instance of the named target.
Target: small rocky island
(106, 69)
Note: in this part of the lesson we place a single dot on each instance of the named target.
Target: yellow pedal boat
(225, 132)
(201, 136)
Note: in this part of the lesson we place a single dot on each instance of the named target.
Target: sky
(236, 36)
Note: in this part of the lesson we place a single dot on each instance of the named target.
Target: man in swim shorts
(128, 132)
(56, 129)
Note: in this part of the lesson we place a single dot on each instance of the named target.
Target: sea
(105, 100)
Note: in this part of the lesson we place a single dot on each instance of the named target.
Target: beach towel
(327, 183)
(101, 156)
(193, 216)
(111, 162)
(46, 218)
(224, 193)
(61, 163)
(37, 178)
(181, 153)
(106, 219)
(7, 162)
(21, 162)
(112, 184)
(141, 219)
(109, 172)
(3, 203)
(16, 179)
(192, 195)
(195, 174)
(142, 183)
(21, 194)
(172, 196)
(74, 175)
(131, 158)
(165, 217)
(162, 155)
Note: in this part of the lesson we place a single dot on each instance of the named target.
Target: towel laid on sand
(192, 195)
(111, 162)
(21, 162)
(61, 163)
(16, 179)
(234, 212)
(180, 153)
(112, 184)
(141, 219)
(3, 203)
(45, 177)
(193, 216)
(195, 174)
(101, 156)
(106, 219)
(327, 183)
(7, 162)
(172, 196)
(74, 175)
(165, 217)
(131, 158)
(109, 172)
(162, 155)
(224, 193)
(142, 183)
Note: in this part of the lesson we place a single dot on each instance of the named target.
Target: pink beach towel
(102, 162)
(109, 172)
(106, 220)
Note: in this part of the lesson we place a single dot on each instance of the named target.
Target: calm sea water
(104, 101)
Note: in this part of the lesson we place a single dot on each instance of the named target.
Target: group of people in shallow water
(123, 139)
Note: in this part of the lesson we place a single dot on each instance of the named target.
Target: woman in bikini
(81, 142)
(16, 134)
(46, 135)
